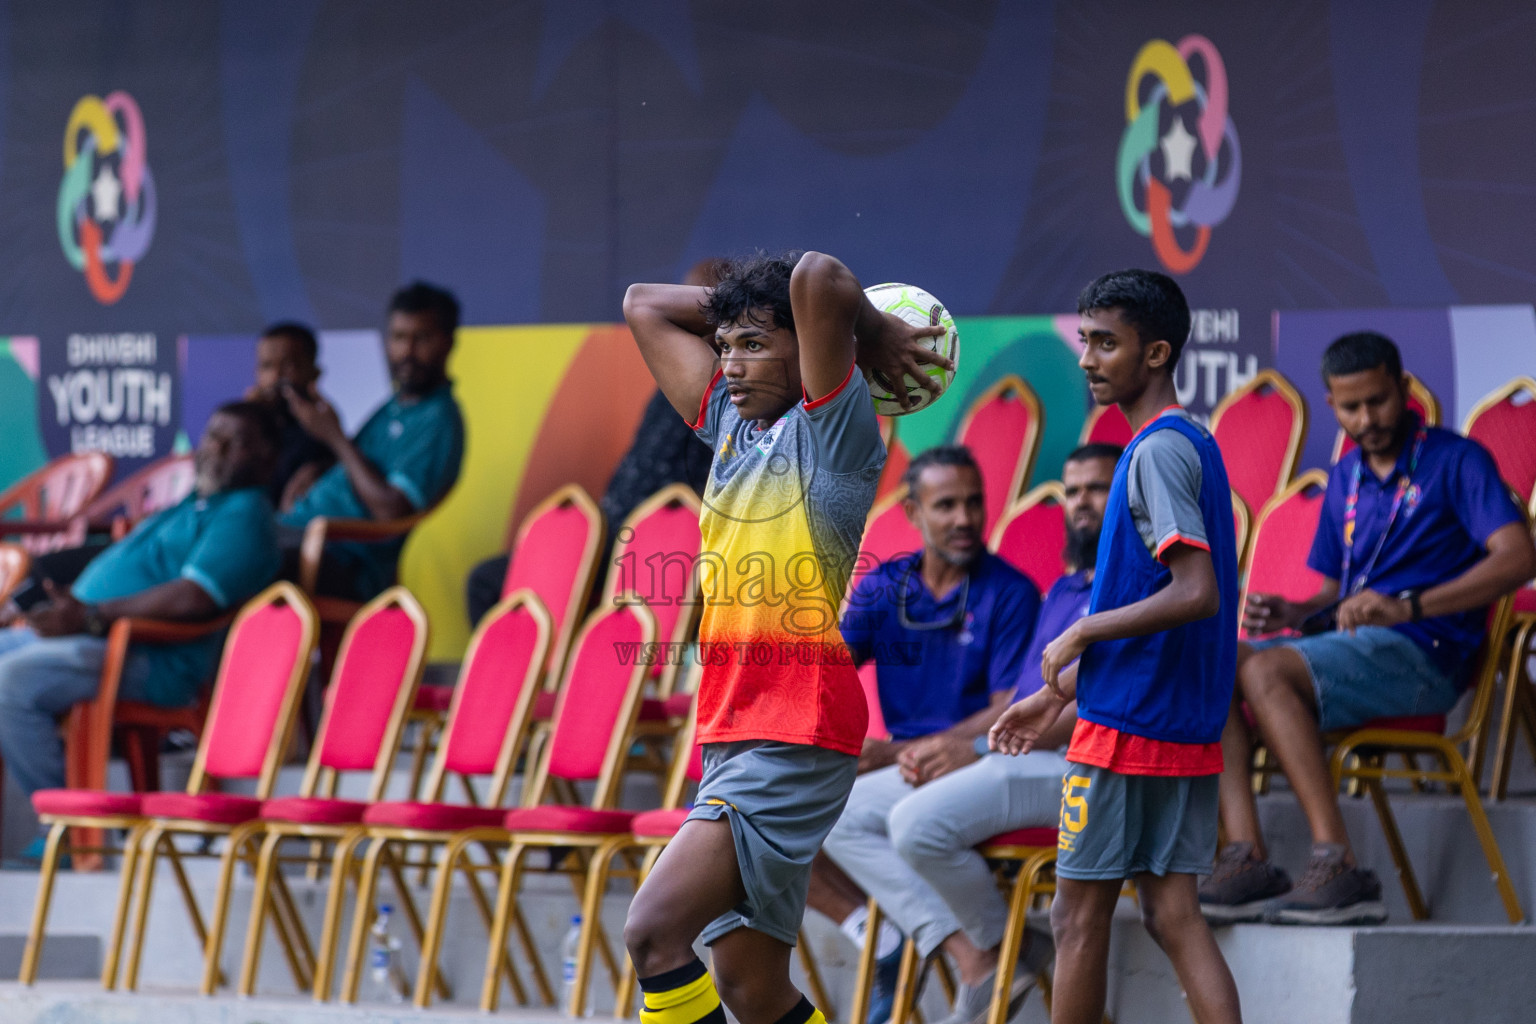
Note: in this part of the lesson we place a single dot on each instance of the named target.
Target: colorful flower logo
(1169, 177)
(106, 209)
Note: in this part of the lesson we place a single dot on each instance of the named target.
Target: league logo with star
(1179, 166)
(106, 210)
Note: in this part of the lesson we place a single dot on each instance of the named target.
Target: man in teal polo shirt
(192, 562)
(404, 459)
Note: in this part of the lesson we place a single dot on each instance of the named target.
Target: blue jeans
(1375, 673)
(41, 678)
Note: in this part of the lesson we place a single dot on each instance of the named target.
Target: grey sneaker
(1330, 893)
(972, 1003)
(1240, 886)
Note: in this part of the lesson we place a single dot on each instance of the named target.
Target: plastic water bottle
(383, 947)
(568, 947)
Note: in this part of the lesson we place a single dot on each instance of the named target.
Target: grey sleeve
(846, 430)
(1163, 486)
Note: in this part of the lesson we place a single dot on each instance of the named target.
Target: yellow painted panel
(504, 378)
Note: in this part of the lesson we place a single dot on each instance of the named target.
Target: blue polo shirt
(417, 446)
(1455, 502)
(930, 679)
(1065, 603)
(225, 543)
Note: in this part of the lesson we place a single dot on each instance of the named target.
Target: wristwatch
(1416, 612)
(95, 625)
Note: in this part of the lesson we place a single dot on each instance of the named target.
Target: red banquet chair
(555, 555)
(42, 509)
(888, 533)
(489, 721)
(152, 489)
(654, 556)
(378, 667)
(1420, 399)
(1260, 429)
(1504, 422)
(1282, 539)
(1106, 424)
(1032, 535)
(591, 734)
(256, 696)
(1002, 429)
(897, 458)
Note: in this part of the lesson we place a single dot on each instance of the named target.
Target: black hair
(939, 455)
(1096, 450)
(260, 417)
(421, 297)
(1361, 351)
(755, 290)
(300, 334)
(1149, 301)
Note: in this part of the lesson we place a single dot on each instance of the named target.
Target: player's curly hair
(753, 289)
(1149, 301)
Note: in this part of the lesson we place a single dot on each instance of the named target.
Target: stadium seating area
(571, 705)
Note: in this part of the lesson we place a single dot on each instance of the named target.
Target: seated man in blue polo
(1418, 535)
(192, 562)
(404, 459)
(947, 666)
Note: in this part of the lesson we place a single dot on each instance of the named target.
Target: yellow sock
(683, 996)
(804, 1012)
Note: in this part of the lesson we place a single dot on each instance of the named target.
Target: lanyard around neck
(954, 620)
(1352, 501)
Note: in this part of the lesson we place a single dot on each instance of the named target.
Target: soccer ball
(920, 309)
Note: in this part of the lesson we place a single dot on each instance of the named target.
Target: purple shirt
(1455, 502)
(939, 662)
(1065, 603)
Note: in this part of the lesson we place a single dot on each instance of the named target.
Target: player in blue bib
(1151, 667)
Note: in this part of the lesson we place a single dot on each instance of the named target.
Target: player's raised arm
(669, 326)
(836, 325)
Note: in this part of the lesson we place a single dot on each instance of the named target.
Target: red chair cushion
(667, 709)
(663, 824)
(314, 810)
(432, 817)
(1408, 723)
(221, 808)
(1525, 600)
(86, 802)
(567, 819)
(1024, 837)
(433, 698)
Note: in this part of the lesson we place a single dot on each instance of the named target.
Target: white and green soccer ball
(920, 309)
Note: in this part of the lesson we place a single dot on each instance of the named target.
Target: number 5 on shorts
(1074, 808)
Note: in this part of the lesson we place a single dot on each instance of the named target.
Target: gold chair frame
(138, 826)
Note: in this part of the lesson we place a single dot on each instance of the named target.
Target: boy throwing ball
(780, 710)
(1151, 666)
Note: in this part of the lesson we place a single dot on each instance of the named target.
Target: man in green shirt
(404, 459)
(192, 562)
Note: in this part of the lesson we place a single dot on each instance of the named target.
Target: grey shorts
(1117, 826)
(781, 800)
(1376, 673)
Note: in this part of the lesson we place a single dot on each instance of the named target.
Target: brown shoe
(1331, 892)
(1241, 886)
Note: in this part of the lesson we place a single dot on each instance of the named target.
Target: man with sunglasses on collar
(1417, 536)
(954, 632)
